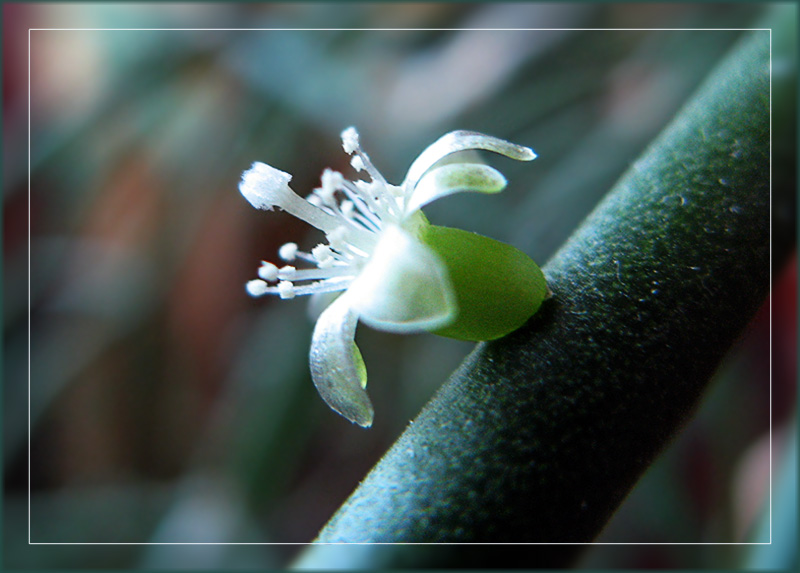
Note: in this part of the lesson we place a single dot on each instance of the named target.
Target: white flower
(390, 278)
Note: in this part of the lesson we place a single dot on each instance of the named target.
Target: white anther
(325, 195)
(337, 238)
(350, 140)
(357, 163)
(256, 287)
(323, 255)
(266, 187)
(268, 271)
(315, 200)
(286, 289)
(288, 252)
(332, 179)
(367, 188)
(287, 272)
(347, 208)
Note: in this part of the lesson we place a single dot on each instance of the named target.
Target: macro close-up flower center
(383, 262)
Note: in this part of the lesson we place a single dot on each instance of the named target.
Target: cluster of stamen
(351, 213)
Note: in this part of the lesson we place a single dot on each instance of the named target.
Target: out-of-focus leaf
(777, 528)
(207, 513)
(81, 515)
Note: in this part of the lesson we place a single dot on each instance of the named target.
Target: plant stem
(539, 436)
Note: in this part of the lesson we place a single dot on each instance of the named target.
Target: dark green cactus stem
(539, 436)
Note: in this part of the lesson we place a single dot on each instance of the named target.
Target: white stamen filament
(365, 203)
(317, 274)
(287, 289)
(332, 285)
(373, 200)
(266, 187)
(366, 165)
(305, 257)
(287, 272)
(347, 208)
(351, 145)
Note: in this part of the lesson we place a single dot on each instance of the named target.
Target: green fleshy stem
(540, 435)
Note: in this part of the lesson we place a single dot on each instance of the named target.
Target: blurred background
(165, 405)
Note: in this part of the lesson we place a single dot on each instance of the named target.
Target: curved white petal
(454, 178)
(404, 287)
(337, 368)
(460, 141)
(318, 302)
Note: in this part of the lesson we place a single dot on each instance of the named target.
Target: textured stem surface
(539, 436)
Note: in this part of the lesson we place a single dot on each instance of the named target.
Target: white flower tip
(337, 368)
(527, 154)
(268, 271)
(348, 208)
(332, 181)
(288, 252)
(350, 140)
(264, 186)
(322, 253)
(286, 289)
(337, 238)
(357, 163)
(256, 287)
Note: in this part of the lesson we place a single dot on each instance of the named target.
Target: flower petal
(461, 141)
(318, 302)
(454, 178)
(404, 287)
(337, 367)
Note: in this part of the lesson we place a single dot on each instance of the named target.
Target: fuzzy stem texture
(539, 436)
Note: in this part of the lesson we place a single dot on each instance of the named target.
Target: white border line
(30, 299)
(394, 30)
(405, 29)
(770, 296)
(384, 543)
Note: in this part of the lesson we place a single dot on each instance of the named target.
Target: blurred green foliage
(165, 405)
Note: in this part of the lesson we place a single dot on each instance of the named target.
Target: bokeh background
(164, 405)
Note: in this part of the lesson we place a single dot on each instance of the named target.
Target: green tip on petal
(456, 141)
(337, 368)
(455, 178)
